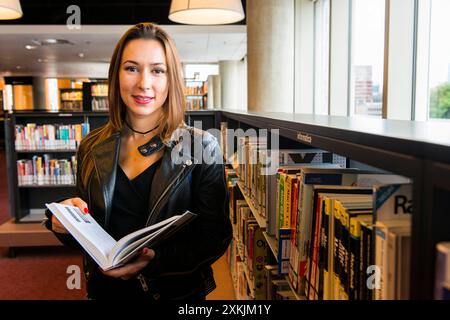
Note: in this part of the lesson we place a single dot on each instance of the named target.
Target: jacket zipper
(169, 187)
(143, 282)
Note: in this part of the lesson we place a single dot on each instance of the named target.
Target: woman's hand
(131, 269)
(77, 202)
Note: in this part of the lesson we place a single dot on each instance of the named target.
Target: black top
(130, 210)
(129, 213)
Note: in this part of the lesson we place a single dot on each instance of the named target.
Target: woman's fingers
(77, 202)
(133, 268)
(57, 226)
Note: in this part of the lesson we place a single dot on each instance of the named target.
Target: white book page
(159, 232)
(94, 239)
(134, 236)
(124, 255)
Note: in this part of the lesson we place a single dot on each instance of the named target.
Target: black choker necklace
(143, 133)
(154, 145)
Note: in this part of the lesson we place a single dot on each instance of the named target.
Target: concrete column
(270, 53)
(214, 92)
(232, 75)
(39, 93)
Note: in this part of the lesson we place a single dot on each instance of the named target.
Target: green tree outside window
(440, 102)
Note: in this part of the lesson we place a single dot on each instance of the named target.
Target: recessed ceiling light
(50, 42)
(81, 55)
(30, 47)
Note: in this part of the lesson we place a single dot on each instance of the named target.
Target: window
(321, 55)
(367, 57)
(439, 61)
(200, 71)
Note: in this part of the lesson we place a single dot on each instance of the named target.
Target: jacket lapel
(169, 174)
(106, 157)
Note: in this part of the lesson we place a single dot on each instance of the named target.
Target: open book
(107, 252)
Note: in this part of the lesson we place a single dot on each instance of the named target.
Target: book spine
(380, 257)
(314, 274)
(323, 252)
(336, 254)
(283, 250)
(260, 256)
(344, 254)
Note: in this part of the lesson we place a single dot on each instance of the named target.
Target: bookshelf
(95, 95)
(261, 221)
(2, 122)
(417, 150)
(27, 197)
(195, 93)
(71, 99)
(273, 244)
(31, 197)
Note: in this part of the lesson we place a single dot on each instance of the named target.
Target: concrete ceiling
(196, 44)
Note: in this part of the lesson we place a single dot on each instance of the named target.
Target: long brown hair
(172, 110)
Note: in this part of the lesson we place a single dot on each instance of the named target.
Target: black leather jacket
(183, 266)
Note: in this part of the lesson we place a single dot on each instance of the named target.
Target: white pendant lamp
(10, 9)
(206, 12)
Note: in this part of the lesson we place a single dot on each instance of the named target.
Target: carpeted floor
(41, 272)
(36, 272)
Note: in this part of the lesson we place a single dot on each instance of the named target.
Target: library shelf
(414, 149)
(273, 244)
(259, 219)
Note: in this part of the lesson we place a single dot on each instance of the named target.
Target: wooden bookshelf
(14, 235)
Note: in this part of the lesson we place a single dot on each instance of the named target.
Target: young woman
(140, 169)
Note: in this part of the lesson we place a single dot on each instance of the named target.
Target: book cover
(382, 258)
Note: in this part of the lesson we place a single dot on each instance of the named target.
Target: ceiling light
(204, 12)
(10, 9)
(50, 42)
(81, 55)
(30, 47)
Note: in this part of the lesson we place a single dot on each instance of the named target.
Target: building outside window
(367, 57)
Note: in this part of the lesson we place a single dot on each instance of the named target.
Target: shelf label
(65, 114)
(304, 137)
